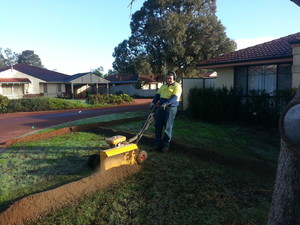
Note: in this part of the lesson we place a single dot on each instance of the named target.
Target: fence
(189, 83)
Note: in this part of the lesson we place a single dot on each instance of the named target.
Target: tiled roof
(40, 73)
(276, 49)
(147, 79)
(209, 75)
(128, 77)
(296, 2)
(77, 75)
(14, 80)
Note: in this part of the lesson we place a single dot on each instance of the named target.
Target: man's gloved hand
(163, 106)
(151, 105)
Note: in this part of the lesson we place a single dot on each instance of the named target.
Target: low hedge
(46, 103)
(109, 99)
(222, 104)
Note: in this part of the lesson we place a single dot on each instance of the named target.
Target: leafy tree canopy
(28, 57)
(172, 35)
(98, 71)
(8, 58)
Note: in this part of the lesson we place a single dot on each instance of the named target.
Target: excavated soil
(39, 204)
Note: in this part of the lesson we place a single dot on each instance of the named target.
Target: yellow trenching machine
(121, 151)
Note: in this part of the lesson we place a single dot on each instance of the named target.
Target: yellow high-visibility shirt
(167, 91)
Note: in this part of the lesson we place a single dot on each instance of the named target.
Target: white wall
(89, 79)
(53, 89)
(225, 77)
(33, 87)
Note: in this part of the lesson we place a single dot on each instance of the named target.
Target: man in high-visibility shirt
(168, 99)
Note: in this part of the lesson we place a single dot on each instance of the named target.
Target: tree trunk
(285, 207)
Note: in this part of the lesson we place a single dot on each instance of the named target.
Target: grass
(35, 166)
(31, 167)
(172, 188)
(97, 119)
(175, 189)
(230, 139)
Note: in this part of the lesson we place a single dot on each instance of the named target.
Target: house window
(7, 89)
(58, 87)
(13, 89)
(45, 88)
(263, 77)
(284, 76)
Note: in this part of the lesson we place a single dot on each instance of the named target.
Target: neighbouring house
(133, 84)
(22, 80)
(82, 85)
(209, 75)
(273, 65)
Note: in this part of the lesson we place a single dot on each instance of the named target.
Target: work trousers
(164, 121)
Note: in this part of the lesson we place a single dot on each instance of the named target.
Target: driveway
(14, 125)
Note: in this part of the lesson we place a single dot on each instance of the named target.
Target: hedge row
(45, 103)
(222, 104)
(109, 99)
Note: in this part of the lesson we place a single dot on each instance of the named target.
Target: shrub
(214, 104)
(4, 101)
(222, 104)
(265, 108)
(58, 103)
(36, 103)
(283, 97)
(15, 106)
(96, 99)
(109, 99)
(28, 105)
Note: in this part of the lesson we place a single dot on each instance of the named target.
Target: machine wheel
(141, 157)
(94, 161)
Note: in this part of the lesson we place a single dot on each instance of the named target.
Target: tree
(28, 57)
(9, 59)
(123, 57)
(173, 34)
(99, 71)
(110, 72)
(285, 205)
(1, 59)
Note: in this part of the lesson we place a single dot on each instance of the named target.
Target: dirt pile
(39, 204)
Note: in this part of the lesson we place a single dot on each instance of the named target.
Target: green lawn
(172, 188)
(228, 138)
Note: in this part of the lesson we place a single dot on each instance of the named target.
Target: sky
(76, 36)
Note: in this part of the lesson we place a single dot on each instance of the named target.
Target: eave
(15, 80)
(245, 63)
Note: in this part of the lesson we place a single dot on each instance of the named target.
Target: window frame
(244, 87)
